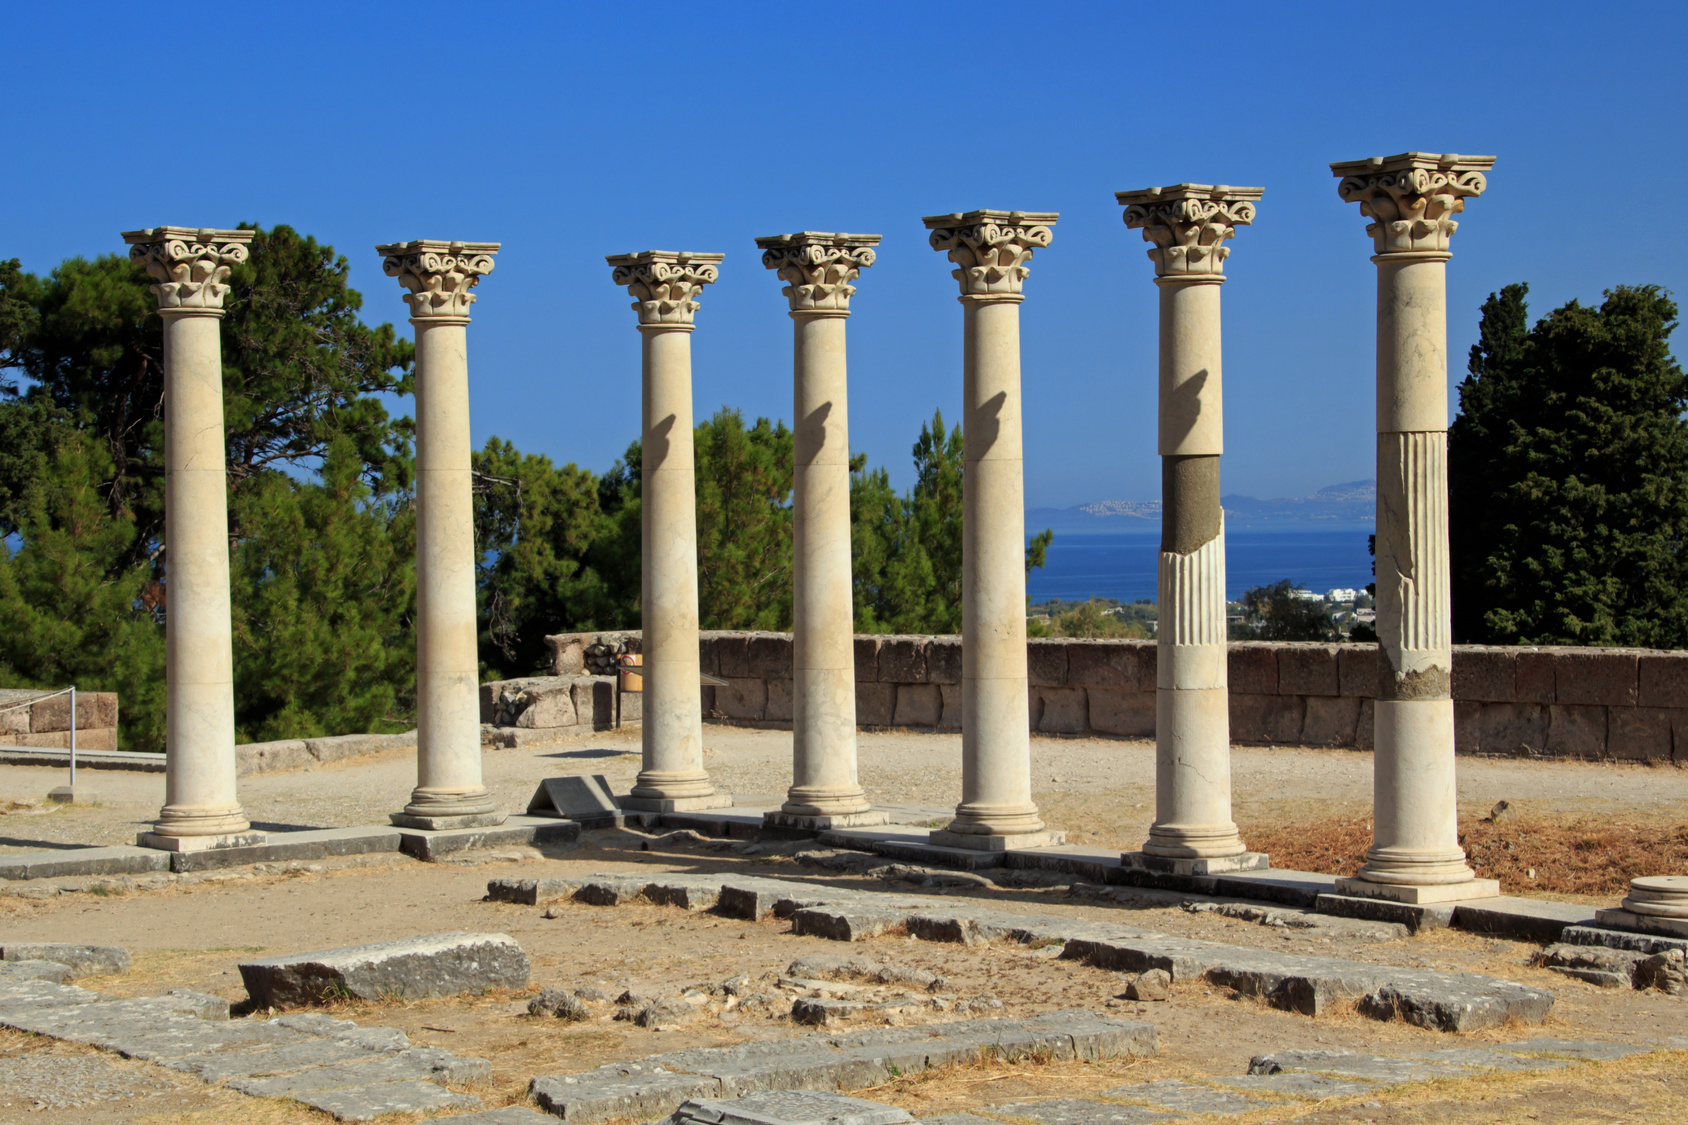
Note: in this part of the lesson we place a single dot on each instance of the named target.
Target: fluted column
(665, 286)
(1188, 225)
(991, 249)
(201, 809)
(438, 277)
(818, 269)
(1411, 198)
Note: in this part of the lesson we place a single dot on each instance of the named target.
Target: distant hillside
(1353, 501)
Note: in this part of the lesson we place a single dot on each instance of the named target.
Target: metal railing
(70, 691)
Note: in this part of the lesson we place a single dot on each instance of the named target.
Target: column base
(1642, 923)
(779, 818)
(1419, 895)
(165, 843)
(1195, 865)
(444, 821)
(715, 800)
(71, 795)
(982, 842)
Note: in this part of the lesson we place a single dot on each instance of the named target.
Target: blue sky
(568, 132)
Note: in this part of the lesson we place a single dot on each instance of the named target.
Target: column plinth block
(1419, 894)
(166, 843)
(992, 842)
(435, 823)
(714, 799)
(820, 822)
(1195, 865)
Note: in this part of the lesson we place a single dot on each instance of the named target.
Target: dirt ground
(192, 934)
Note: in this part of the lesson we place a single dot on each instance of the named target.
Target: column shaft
(824, 688)
(996, 796)
(199, 778)
(673, 710)
(448, 723)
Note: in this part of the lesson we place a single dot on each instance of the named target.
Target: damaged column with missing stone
(438, 277)
(190, 267)
(825, 793)
(665, 285)
(991, 249)
(1411, 199)
(1193, 834)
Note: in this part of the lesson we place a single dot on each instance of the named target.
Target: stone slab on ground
(66, 863)
(1584, 1049)
(435, 965)
(84, 960)
(69, 1082)
(427, 1063)
(1455, 1001)
(844, 924)
(51, 971)
(1353, 1064)
(1526, 919)
(366, 1103)
(280, 847)
(1185, 1097)
(219, 1066)
(516, 831)
(532, 892)
(1078, 1111)
(1290, 888)
(509, 1115)
(1416, 917)
(1622, 939)
(788, 1107)
(1300, 1084)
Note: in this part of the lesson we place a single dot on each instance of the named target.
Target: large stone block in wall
(782, 702)
(1485, 673)
(1641, 734)
(876, 704)
(1064, 711)
(742, 698)
(1356, 670)
(770, 656)
(732, 656)
(867, 659)
(548, 704)
(94, 709)
(1307, 669)
(1514, 729)
(1104, 666)
(902, 660)
(1468, 725)
(594, 702)
(943, 660)
(1663, 679)
(951, 718)
(707, 661)
(1534, 677)
(1046, 662)
(918, 705)
(1365, 731)
(1330, 720)
(1251, 667)
(1576, 730)
(1130, 714)
(1266, 718)
(1594, 675)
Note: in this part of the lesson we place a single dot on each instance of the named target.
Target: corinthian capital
(991, 247)
(1411, 196)
(664, 284)
(190, 264)
(438, 274)
(818, 267)
(1188, 224)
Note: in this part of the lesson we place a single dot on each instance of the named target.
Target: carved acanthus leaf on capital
(991, 247)
(438, 275)
(818, 269)
(1188, 225)
(1412, 197)
(665, 286)
(189, 265)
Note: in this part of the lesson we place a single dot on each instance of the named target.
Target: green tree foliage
(1568, 476)
(744, 525)
(1092, 619)
(1274, 613)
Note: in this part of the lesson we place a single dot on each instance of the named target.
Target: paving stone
(1455, 1001)
(687, 896)
(843, 925)
(1585, 1049)
(610, 1092)
(366, 1103)
(428, 1063)
(1622, 939)
(1077, 1111)
(200, 1004)
(52, 971)
(1596, 964)
(84, 960)
(610, 892)
(1480, 1059)
(1376, 1068)
(368, 1038)
(1301, 1084)
(69, 862)
(220, 1066)
(67, 1082)
(509, 1115)
(959, 1119)
(788, 1107)
(1185, 1097)
(531, 892)
(435, 965)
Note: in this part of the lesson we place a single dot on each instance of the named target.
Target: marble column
(1193, 834)
(438, 277)
(1411, 199)
(818, 269)
(665, 286)
(991, 249)
(201, 811)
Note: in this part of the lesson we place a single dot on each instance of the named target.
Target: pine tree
(1568, 477)
(744, 522)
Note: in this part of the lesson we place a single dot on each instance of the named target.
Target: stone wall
(1598, 703)
(47, 723)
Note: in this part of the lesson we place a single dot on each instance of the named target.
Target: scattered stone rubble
(1310, 985)
(1618, 968)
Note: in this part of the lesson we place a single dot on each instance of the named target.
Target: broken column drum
(1411, 198)
(818, 268)
(449, 793)
(1187, 225)
(191, 267)
(665, 286)
(991, 249)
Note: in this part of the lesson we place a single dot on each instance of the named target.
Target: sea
(1121, 564)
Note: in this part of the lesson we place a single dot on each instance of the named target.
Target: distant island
(1353, 501)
